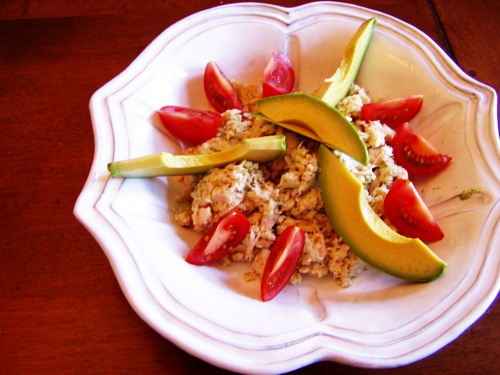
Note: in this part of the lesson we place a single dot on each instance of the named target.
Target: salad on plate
(301, 184)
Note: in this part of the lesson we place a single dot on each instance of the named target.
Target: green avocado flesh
(260, 149)
(368, 236)
(335, 88)
(313, 118)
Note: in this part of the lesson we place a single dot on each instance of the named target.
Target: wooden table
(61, 309)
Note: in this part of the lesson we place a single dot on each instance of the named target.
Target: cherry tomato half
(416, 154)
(190, 125)
(283, 259)
(220, 239)
(393, 112)
(219, 90)
(407, 211)
(279, 76)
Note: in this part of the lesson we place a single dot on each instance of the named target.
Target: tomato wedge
(279, 76)
(393, 112)
(220, 239)
(219, 90)
(416, 154)
(190, 125)
(282, 262)
(407, 211)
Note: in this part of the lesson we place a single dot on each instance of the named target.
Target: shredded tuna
(277, 194)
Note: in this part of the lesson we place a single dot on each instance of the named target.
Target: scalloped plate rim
(89, 214)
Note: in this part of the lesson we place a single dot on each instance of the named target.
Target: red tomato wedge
(282, 262)
(393, 112)
(219, 90)
(407, 211)
(190, 125)
(220, 239)
(416, 154)
(279, 76)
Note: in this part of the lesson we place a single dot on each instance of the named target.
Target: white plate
(213, 314)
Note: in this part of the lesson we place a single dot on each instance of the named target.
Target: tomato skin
(279, 76)
(219, 89)
(220, 239)
(416, 154)
(393, 112)
(282, 262)
(407, 211)
(190, 125)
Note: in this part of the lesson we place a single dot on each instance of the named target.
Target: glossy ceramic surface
(211, 312)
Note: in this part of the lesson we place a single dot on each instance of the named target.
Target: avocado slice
(313, 118)
(368, 236)
(335, 88)
(260, 149)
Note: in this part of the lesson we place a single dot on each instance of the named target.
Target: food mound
(283, 192)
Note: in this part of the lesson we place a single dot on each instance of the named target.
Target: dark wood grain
(61, 308)
(471, 31)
